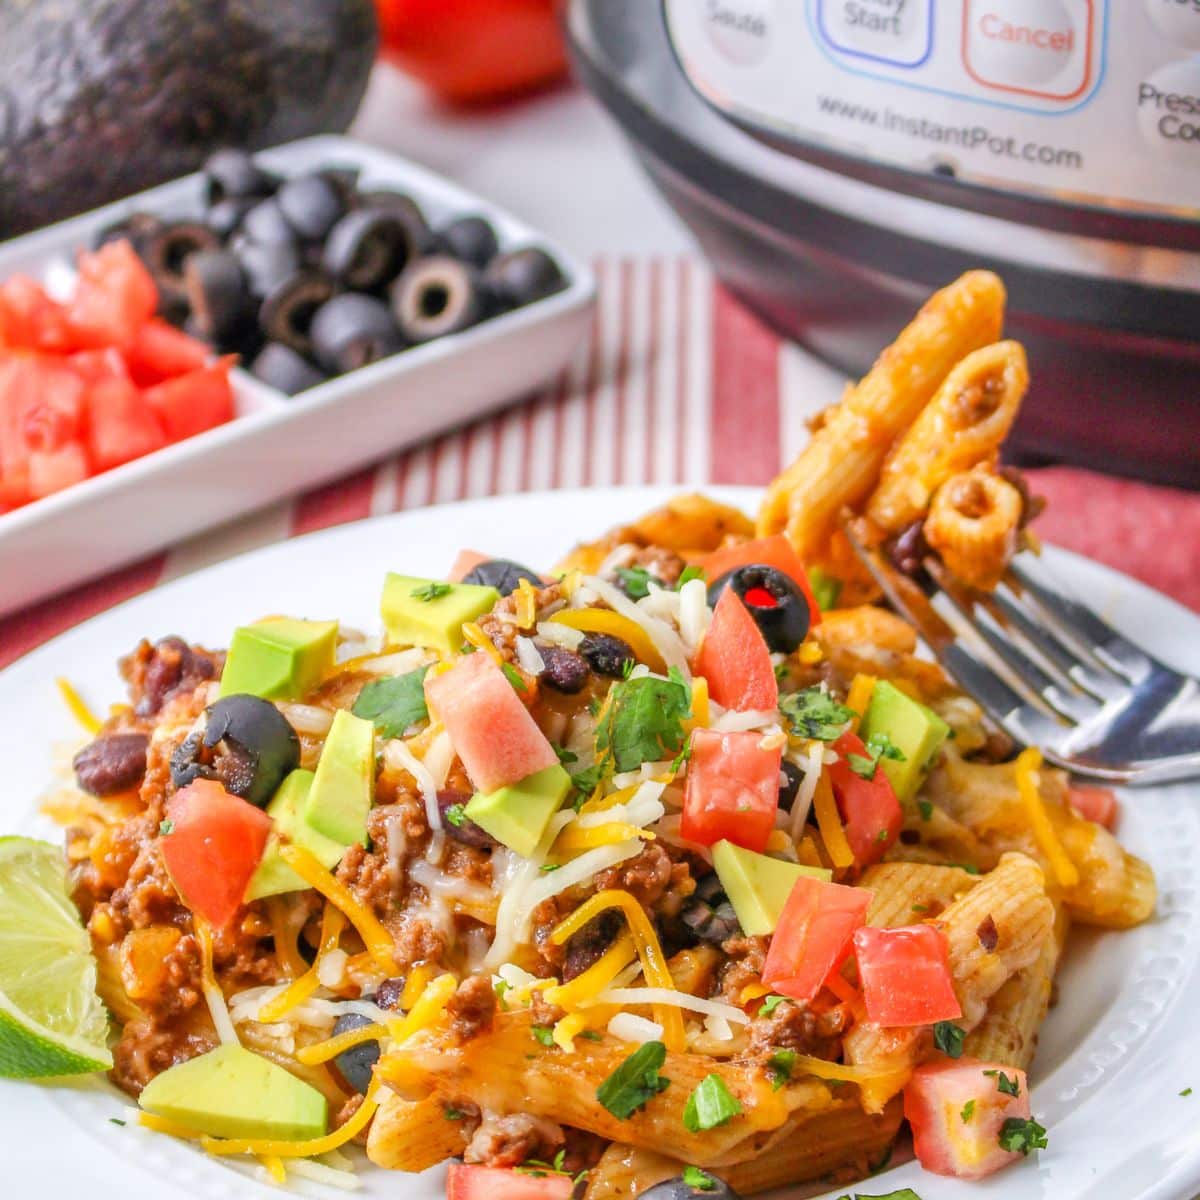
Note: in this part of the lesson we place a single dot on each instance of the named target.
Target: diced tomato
(732, 789)
(52, 470)
(30, 319)
(956, 1113)
(1094, 804)
(159, 352)
(192, 403)
(52, 405)
(114, 297)
(490, 728)
(775, 551)
(465, 563)
(41, 421)
(468, 1182)
(869, 808)
(213, 848)
(734, 659)
(905, 975)
(91, 365)
(813, 936)
(121, 425)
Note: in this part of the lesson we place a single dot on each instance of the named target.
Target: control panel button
(740, 29)
(897, 32)
(1169, 113)
(1178, 19)
(1032, 47)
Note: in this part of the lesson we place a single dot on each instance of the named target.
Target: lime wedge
(51, 1020)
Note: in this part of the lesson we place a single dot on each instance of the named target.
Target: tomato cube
(870, 811)
(114, 297)
(1094, 804)
(30, 319)
(121, 425)
(159, 352)
(190, 404)
(732, 789)
(734, 659)
(51, 471)
(468, 1182)
(905, 975)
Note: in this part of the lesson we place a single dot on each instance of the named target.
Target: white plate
(275, 446)
(1121, 1045)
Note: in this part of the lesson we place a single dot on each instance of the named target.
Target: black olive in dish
(471, 239)
(287, 312)
(778, 606)
(501, 573)
(789, 786)
(522, 277)
(708, 913)
(345, 183)
(266, 264)
(166, 251)
(368, 248)
(135, 229)
(356, 1065)
(352, 331)
(265, 222)
(310, 204)
(234, 173)
(382, 200)
(280, 367)
(225, 217)
(607, 655)
(678, 1189)
(217, 295)
(436, 296)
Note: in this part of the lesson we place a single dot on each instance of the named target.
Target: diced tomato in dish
(869, 809)
(813, 936)
(159, 352)
(956, 1113)
(41, 426)
(93, 365)
(192, 403)
(775, 551)
(1094, 804)
(734, 659)
(732, 789)
(468, 1182)
(121, 425)
(51, 471)
(30, 319)
(490, 729)
(905, 975)
(114, 297)
(214, 846)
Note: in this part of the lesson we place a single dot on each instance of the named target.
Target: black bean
(605, 654)
(173, 666)
(464, 831)
(388, 993)
(114, 762)
(793, 778)
(565, 671)
(589, 944)
(908, 549)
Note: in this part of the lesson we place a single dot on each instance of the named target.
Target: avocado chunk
(757, 885)
(279, 658)
(916, 731)
(274, 876)
(231, 1092)
(424, 612)
(343, 786)
(517, 815)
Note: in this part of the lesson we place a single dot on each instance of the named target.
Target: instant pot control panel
(1095, 101)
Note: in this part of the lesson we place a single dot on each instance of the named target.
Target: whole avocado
(103, 98)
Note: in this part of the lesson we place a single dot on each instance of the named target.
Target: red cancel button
(1032, 47)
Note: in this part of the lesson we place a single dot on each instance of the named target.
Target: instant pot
(840, 159)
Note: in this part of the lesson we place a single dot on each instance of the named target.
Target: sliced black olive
(345, 182)
(135, 229)
(368, 248)
(267, 264)
(246, 744)
(230, 172)
(287, 313)
(677, 1189)
(522, 276)
(397, 202)
(789, 785)
(356, 1064)
(501, 573)
(166, 251)
(708, 913)
(351, 331)
(225, 217)
(471, 239)
(279, 366)
(265, 222)
(216, 293)
(778, 606)
(606, 655)
(310, 204)
(436, 296)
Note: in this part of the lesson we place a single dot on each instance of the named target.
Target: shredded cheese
(675, 998)
(1026, 770)
(830, 824)
(334, 1177)
(78, 706)
(273, 1165)
(812, 765)
(320, 1052)
(529, 658)
(213, 996)
(397, 754)
(332, 924)
(568, 1028)
(284, 933)
(577, 837)
(701, 709)
(859, 696)
(427, 1010)
(419, 978)
(578, 870)
(588, 984)
(694, 613)
(480, 640)
(526, 605)
(629, 1027)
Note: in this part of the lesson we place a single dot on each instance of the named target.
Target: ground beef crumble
(792, 1025)
(500, 625)
(472, 1008)
(512, 1140)
(746, 957)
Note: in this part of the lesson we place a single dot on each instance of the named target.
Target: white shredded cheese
(528, 657)
(219, 1011)
(716, 1026)
(439, 757)
(308, 1168)
(666, 640)
(641, 809)
(578, 870)
(655, 995)
(402, 663)
(644, 773)
(668, 830)
(397, 756)
(397, 846)
(731, 721)
(307, 718)
(560, 635)
(811, 764)
(449, 887)
(332, 968)
(694, 614)
(629, 1027)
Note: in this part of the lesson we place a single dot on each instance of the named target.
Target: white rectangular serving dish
(276, 445)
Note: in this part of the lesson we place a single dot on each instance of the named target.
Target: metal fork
(1049, 672)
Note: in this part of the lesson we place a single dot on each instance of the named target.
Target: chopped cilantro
(899, 1194)
(431, 591)
(698, 1180)
(643, 720)
(635, 1082)
(165, 827)
(549, 866)
(585, 783)
(591, 1035)
(689, 573)
(879, 745)
(920, 908)
(781, 672)
(453, 1114)
(710, 1105)
(635, 581)
(394, 705)
(814, 713)
(948, 1038)
(1010, 1087)
(925, 808)
(779, 1067)
(456, 814)
(968, 1111)
(1021, 1135)
(514, 677)
(770, 1004)
(565, 756)
(543, 1034)
(1186, 1092)
(500, 987)
(116, 1121)
(970, 868)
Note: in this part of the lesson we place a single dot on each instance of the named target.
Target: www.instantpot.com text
(966, 137)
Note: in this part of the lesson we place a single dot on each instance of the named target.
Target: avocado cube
(280, 658)
(916, 731)
(232, 1092)
(274, 876)
(757, 885)
(517, 815)
(424, 612)
(343, 785)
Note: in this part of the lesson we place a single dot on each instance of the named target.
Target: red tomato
(159, 351)
(732, 789)
(91, 365)
(1094, 804)
(121, 425)
(114, 297)
(905, 975)
(194, 402)
(471, 50)
(869, 808)
(214, 847)
(30, 319)
(775, 551)
(956, 1113)
(52, 470)
(464, 563)
(813, 936)
(734, 658)
(490, 729)
(465, 1182)
(41, 422)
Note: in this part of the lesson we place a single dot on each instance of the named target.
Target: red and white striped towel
(676, 384)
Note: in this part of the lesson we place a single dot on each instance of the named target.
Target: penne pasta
(413, 1135)
(973, 524)
(908, 892)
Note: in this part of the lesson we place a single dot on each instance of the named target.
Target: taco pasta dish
(670, 865)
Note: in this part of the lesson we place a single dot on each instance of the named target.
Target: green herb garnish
(393, 705)
(689, 573)
(1010, 1087)
(1022, 1135)
(453, 1114)
(770, 1004)
(968, 1111)
(948, 1038)
(565, 756)
(635, 1082)
(456, 814)
(814, 713)
(543, 1034)
(879, 745)
(643, 720)
(165, 827)
(710, 1105)
(635, 581)
(779, 1067)
(925, 808)
(514, 677)
(698, 1180)
(431, 591)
